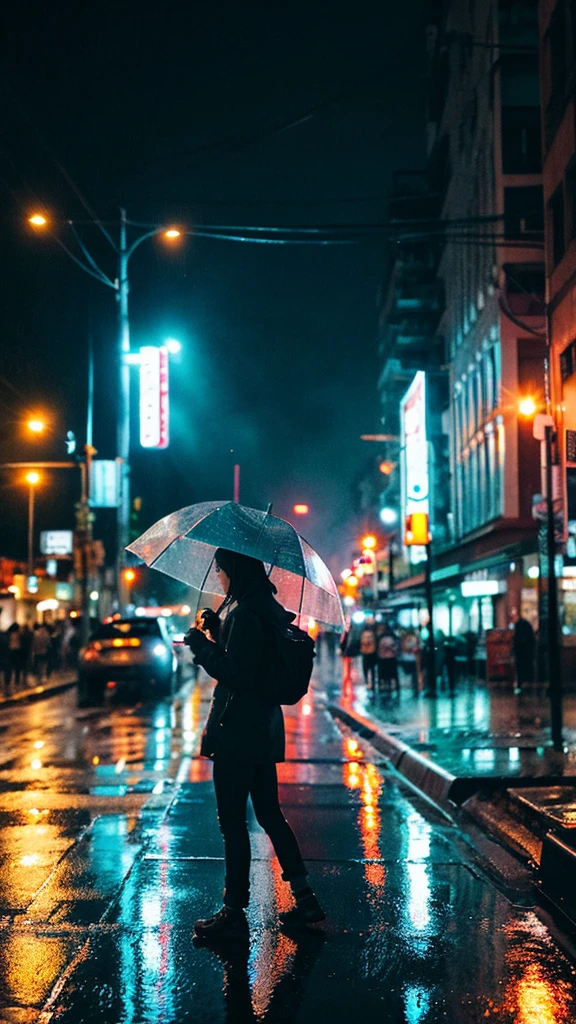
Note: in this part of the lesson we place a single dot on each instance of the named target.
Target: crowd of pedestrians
(385, 650)
(29, 654)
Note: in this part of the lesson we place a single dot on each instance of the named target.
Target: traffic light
(416, 529)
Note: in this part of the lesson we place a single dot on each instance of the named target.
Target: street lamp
(544, 430)
(120, 284)
(36, 426)
(32, 479)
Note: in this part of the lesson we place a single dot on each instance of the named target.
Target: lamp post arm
(136, 243)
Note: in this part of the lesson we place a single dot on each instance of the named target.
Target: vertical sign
(154, 397)
(149, 396)
(164, 437)
(415, 479)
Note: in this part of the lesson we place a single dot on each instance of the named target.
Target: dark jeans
(234, 782)
(369, 664)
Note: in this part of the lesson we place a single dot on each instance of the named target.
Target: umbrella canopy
(183, 544)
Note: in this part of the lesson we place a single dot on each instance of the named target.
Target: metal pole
(30, 529)
(431, 660)
(554, 668)
(90, 407)
(123, 426)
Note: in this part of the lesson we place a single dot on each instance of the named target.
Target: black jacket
(240, 726)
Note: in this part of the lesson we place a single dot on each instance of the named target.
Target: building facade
(485, 244)
(558, 82)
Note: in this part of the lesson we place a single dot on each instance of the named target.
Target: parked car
(134, 654)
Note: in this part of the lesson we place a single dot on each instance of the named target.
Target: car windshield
(127, 627)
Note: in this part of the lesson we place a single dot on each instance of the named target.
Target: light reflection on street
(367, 780)
(417, 871)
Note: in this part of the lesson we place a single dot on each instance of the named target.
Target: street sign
(104, 483)
(56, 542)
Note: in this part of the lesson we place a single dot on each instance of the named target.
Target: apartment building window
(557, 228)
(521, 146)
(523, 210)
(520, 97)
(571, 196)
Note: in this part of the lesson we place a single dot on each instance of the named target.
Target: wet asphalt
(109, 850)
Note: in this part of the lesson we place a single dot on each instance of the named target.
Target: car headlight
(159, 651)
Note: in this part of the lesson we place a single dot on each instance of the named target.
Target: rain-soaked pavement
(480, 730)
(105, 867)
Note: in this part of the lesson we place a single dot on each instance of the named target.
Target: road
(105, 866)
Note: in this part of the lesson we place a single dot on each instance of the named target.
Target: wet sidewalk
(36, 689)
(481, 731)
(414, 934)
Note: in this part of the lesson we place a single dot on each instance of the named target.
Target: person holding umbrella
(244, 737)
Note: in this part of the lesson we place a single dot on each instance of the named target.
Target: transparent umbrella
(183, 544)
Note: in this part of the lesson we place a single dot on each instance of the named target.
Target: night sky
(171, 110)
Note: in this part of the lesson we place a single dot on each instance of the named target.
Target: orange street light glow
(527, 406)
(352, 581)
(301, 510)
(33, 478)
(129, 575)
(38, 220)
(172, 233)
(369, 542)
(36, 426)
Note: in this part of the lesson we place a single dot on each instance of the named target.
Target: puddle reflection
(367, 781)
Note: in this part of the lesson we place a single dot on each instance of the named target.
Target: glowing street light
(174, 346)
(36, 426)
(38, 220)
(389, 516)
(32, 478)
(527, 406)
(300, 510)
(172, 233)
(369, 542)
(346, 574)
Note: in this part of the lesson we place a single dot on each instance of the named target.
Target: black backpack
(290, 660)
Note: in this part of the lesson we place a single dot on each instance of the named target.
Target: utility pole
(554, 667)
(123, 426)
(431, 659)
(31, 486)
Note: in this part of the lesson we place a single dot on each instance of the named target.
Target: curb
(37, 693)
(435, 782)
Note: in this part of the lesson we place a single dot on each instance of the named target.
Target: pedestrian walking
(27, 638)
(524, 649)
(387, 659)
(349, 649)
(369, 654)
(244, 737)
(14, 656)
(41, 652)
